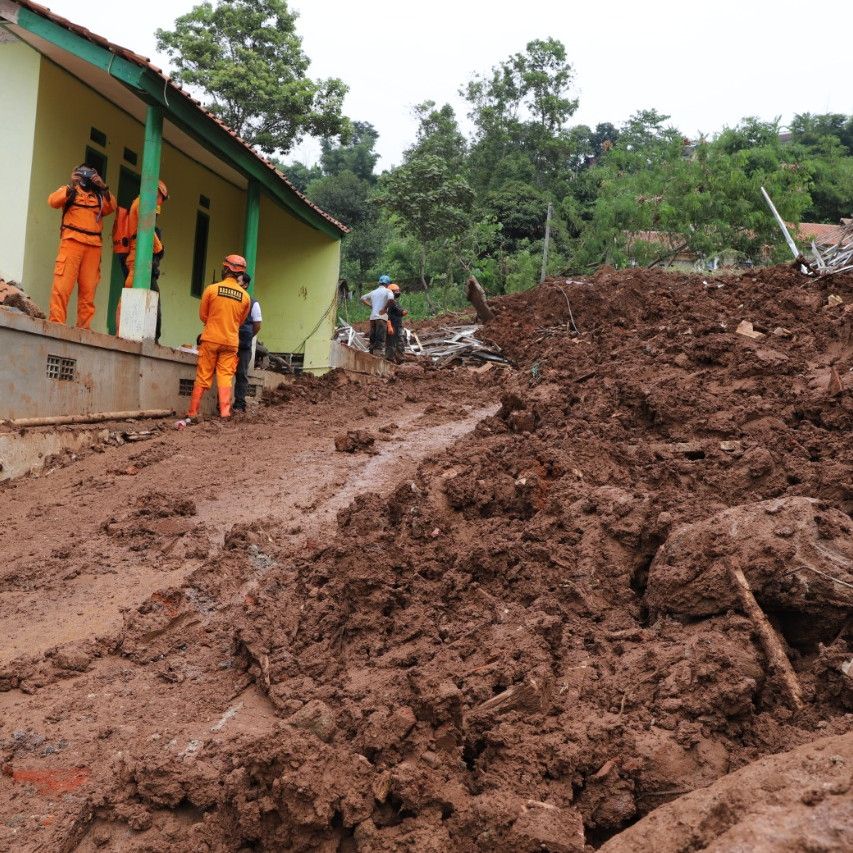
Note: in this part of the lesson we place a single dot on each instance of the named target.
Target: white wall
(19, 81)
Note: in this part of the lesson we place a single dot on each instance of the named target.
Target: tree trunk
(424, 284)
(477, 297)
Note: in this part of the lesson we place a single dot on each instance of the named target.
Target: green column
(148, 196)
(250, 236)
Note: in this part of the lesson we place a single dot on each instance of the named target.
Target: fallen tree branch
(776, 657)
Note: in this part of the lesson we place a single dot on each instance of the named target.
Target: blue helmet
(383, 279)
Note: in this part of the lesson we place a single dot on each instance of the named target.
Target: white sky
(706, 65)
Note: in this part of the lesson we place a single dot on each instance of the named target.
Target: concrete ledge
(358, 362)
(26, 451)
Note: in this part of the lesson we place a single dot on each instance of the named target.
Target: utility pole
(547, 240)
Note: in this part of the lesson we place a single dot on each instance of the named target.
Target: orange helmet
(161, 188)
(394, 287)
(235, 263)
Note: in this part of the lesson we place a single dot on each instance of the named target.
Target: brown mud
(460, 610)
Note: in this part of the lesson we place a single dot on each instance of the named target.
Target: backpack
(121, 232)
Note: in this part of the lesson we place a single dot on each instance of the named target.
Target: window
(98, 161)
(98, 137)
(130, 156)
(202, 225)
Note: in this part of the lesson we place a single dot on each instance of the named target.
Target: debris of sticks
(446, 346)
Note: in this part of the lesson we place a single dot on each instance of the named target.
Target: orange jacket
(133, 227)
(83, 221)
(224, 308)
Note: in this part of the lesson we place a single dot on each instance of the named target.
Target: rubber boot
(224, 401)
(195, 401)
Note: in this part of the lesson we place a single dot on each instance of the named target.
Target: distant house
(69, 96)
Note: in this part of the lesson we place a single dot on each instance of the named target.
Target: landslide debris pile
(534, 641)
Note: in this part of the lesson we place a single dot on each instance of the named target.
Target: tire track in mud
(301, 492)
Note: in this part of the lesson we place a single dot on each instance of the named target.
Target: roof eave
(152, 87)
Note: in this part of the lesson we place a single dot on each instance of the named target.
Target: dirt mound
(799, 800)
(525, 640)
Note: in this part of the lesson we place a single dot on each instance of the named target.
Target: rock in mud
(796, 553)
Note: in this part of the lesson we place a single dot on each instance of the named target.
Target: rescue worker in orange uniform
(84, 202)
(224, 308)
(130, 260)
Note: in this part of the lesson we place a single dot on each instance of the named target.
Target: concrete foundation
(49, 370)
(53, 370)
(138, 319)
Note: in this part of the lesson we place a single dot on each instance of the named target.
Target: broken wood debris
(448, 345)
(833, 252)
(776, 656)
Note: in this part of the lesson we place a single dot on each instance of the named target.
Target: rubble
(13, 298)
(574, 603)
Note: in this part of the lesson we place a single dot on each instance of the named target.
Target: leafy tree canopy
(356, 155)
(247, 57)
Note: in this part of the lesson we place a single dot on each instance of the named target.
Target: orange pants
(77, 264)
(218, 358)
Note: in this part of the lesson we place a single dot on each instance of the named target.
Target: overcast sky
(706, 65)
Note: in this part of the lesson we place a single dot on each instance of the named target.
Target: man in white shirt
(378, 300)
(248, 332)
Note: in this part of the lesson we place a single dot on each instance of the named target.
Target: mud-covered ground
(460, 610)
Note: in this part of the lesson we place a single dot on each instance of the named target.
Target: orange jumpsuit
(79, 258)
(224, 308)
(133, 227)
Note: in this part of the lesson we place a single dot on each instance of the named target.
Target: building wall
(19, 73)
(297, 270)
(187, 181)
(296, 283)
(68, 110)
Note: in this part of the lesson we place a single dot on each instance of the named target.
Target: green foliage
(428, 196)
(299, 174)
(521, 210)
(658, 197)
(356, 155)
(246, 56)
(522, 271)
(522, 107)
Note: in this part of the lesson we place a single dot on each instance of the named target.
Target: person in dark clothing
(394, 343)
(244, 351)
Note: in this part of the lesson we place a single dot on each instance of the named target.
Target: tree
(356, 155)
(246, 56)
(523, 106)
(429, 199)
(347, 197)
(428, 195)
(659, 196)
(298, 173)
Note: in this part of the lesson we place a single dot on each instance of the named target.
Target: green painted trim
(120, 68)
(252, 229)
(148, 196)
(185, 114)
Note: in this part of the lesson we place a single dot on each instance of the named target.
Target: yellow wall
(296, 284)
(67, 112)
(19, 76)
(187, 180)
(297, 269)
